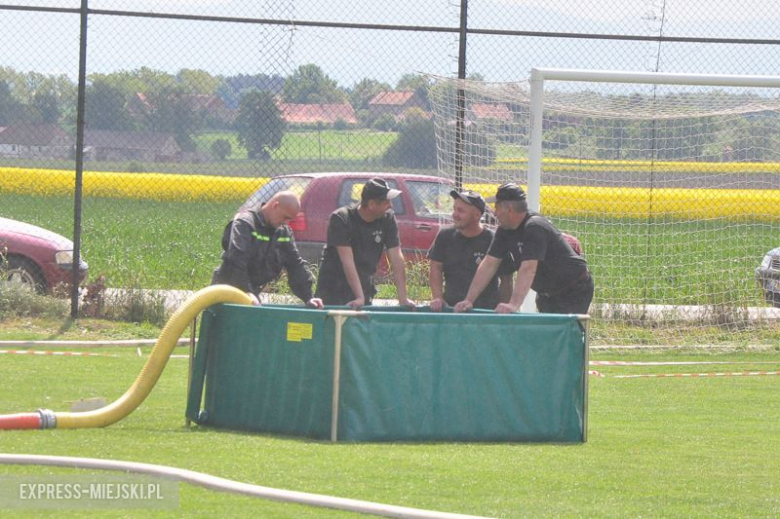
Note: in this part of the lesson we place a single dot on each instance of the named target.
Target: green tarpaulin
(403, 376)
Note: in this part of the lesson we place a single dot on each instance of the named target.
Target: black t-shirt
(537, 239)
(368, 240)
(460, 256)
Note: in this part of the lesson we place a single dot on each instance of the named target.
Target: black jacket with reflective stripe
(255, 254)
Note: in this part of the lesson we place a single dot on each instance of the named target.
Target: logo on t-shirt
(478, 257)
(377, 236)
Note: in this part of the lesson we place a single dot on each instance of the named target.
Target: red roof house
(497, 111)
(395, 103)
(309, 114)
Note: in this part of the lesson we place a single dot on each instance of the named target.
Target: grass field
(327, 145)
(329, 150)
(671, 447)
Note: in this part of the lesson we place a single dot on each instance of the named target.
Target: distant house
(488, 111)
(138, 146)
(395, 103)
(28, 140)
(210, 108)
(312, 114)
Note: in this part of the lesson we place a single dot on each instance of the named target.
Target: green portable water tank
(391, 375)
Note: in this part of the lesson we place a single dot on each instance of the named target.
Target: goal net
(670, 182)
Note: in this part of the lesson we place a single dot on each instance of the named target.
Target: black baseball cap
(508, 192)
(471, 198)
(378, 188)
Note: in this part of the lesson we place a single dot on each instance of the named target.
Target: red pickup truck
(423, 200)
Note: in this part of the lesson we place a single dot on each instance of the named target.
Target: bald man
(258, 245)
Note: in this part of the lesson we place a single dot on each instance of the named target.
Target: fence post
(74, 294)
(461, 111)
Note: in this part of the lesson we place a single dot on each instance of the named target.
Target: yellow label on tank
(296, 332)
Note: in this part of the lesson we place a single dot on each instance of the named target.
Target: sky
(348, 55)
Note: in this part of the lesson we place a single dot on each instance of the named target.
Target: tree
(221, 149)
(416, 143)
(143, 80)
(310, 85)
(195, 81)
(11, 110)
(171, 111)
(259, 124)
(46, 106)
(105, 107)
(233, 88)
(385, 123)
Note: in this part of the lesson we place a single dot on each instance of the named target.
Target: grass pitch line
(702, 375)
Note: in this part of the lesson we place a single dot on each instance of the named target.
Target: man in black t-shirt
(543, 258)
(257, 245)
(357, 236)
(456, 253)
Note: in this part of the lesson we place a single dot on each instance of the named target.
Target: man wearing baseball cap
(544, 261)
(456, 253)
(357, 236)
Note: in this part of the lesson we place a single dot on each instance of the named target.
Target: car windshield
(431, 199)
(295, 184)
(352, 188)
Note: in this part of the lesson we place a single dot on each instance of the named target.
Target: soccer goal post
(540, 75)
(670, 181)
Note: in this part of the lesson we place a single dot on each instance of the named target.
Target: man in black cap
(456, 253)
(257, 245)
(357, 236)
(543, 258)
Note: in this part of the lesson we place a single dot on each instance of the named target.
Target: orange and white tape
(59, 353)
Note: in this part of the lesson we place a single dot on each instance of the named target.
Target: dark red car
(35, 257)
(423, 200)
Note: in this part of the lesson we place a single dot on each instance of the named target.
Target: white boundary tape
(87, 344)
(58, 353)
(704, 375)
(681, 363)
(672, 347)
(227, 485)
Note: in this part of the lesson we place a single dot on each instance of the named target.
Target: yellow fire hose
(150, 373)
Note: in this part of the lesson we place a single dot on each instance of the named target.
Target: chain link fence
(190, 107)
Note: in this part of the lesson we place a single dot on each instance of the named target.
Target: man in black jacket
(258, 245)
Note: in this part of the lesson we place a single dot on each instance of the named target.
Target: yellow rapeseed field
(147, 186)
(607, 202)
(561, 164)
(685, 204)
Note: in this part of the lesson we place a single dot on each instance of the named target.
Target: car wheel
(773, 298)
(25, 273)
